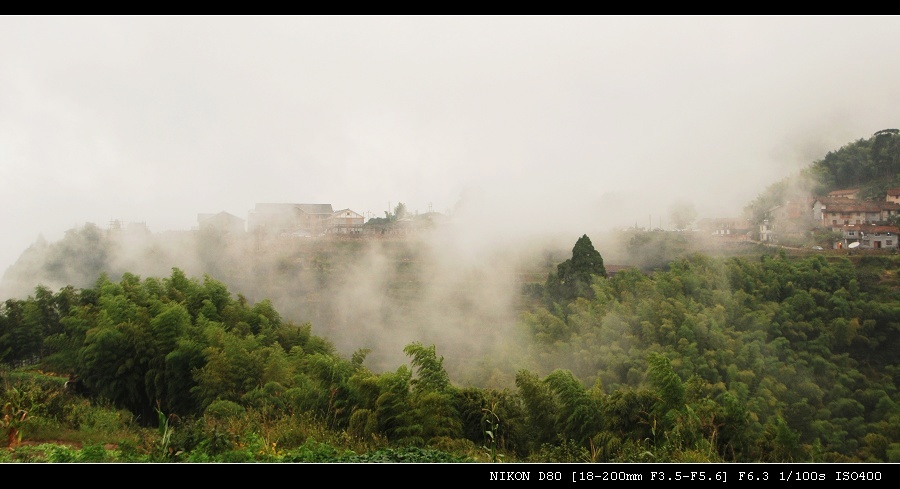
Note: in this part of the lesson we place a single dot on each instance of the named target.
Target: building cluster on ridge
(308, 220)
(277, 219)
(856, 223)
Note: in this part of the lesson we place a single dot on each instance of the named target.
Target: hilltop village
(311, 220)
(838, 220)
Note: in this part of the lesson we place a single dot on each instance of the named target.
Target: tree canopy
(574, 276)
(771, 359)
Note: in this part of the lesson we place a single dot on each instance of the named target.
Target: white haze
(518, 126)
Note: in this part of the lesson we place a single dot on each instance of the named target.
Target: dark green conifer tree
(574, 276)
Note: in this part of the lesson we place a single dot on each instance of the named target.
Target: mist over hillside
(460, 283)
(440, 287)
(555, 120)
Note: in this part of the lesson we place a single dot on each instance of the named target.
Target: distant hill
(872, 165)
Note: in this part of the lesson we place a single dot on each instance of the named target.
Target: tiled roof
(315, 208)
(872, 228)
(856, 206)
(835, 200)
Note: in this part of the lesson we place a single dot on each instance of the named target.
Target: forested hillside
(360, 293)
(774, 358)
(327, 350)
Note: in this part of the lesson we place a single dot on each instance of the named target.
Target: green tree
(579, 414)
(886, 152)
(541, 408)
(394, 408)
(432, 394)
(430, 373)
(573, 277)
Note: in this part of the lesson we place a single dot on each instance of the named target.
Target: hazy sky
(557, 123)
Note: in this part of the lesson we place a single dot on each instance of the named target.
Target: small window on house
(888, 242)
(851, 233)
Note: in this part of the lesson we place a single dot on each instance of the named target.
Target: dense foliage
(711, 359)
(873, 160)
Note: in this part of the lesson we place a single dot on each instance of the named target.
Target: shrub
(222, 409)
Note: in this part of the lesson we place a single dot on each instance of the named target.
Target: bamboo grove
(712, 359)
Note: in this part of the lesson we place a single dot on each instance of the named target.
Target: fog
(514, 126)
